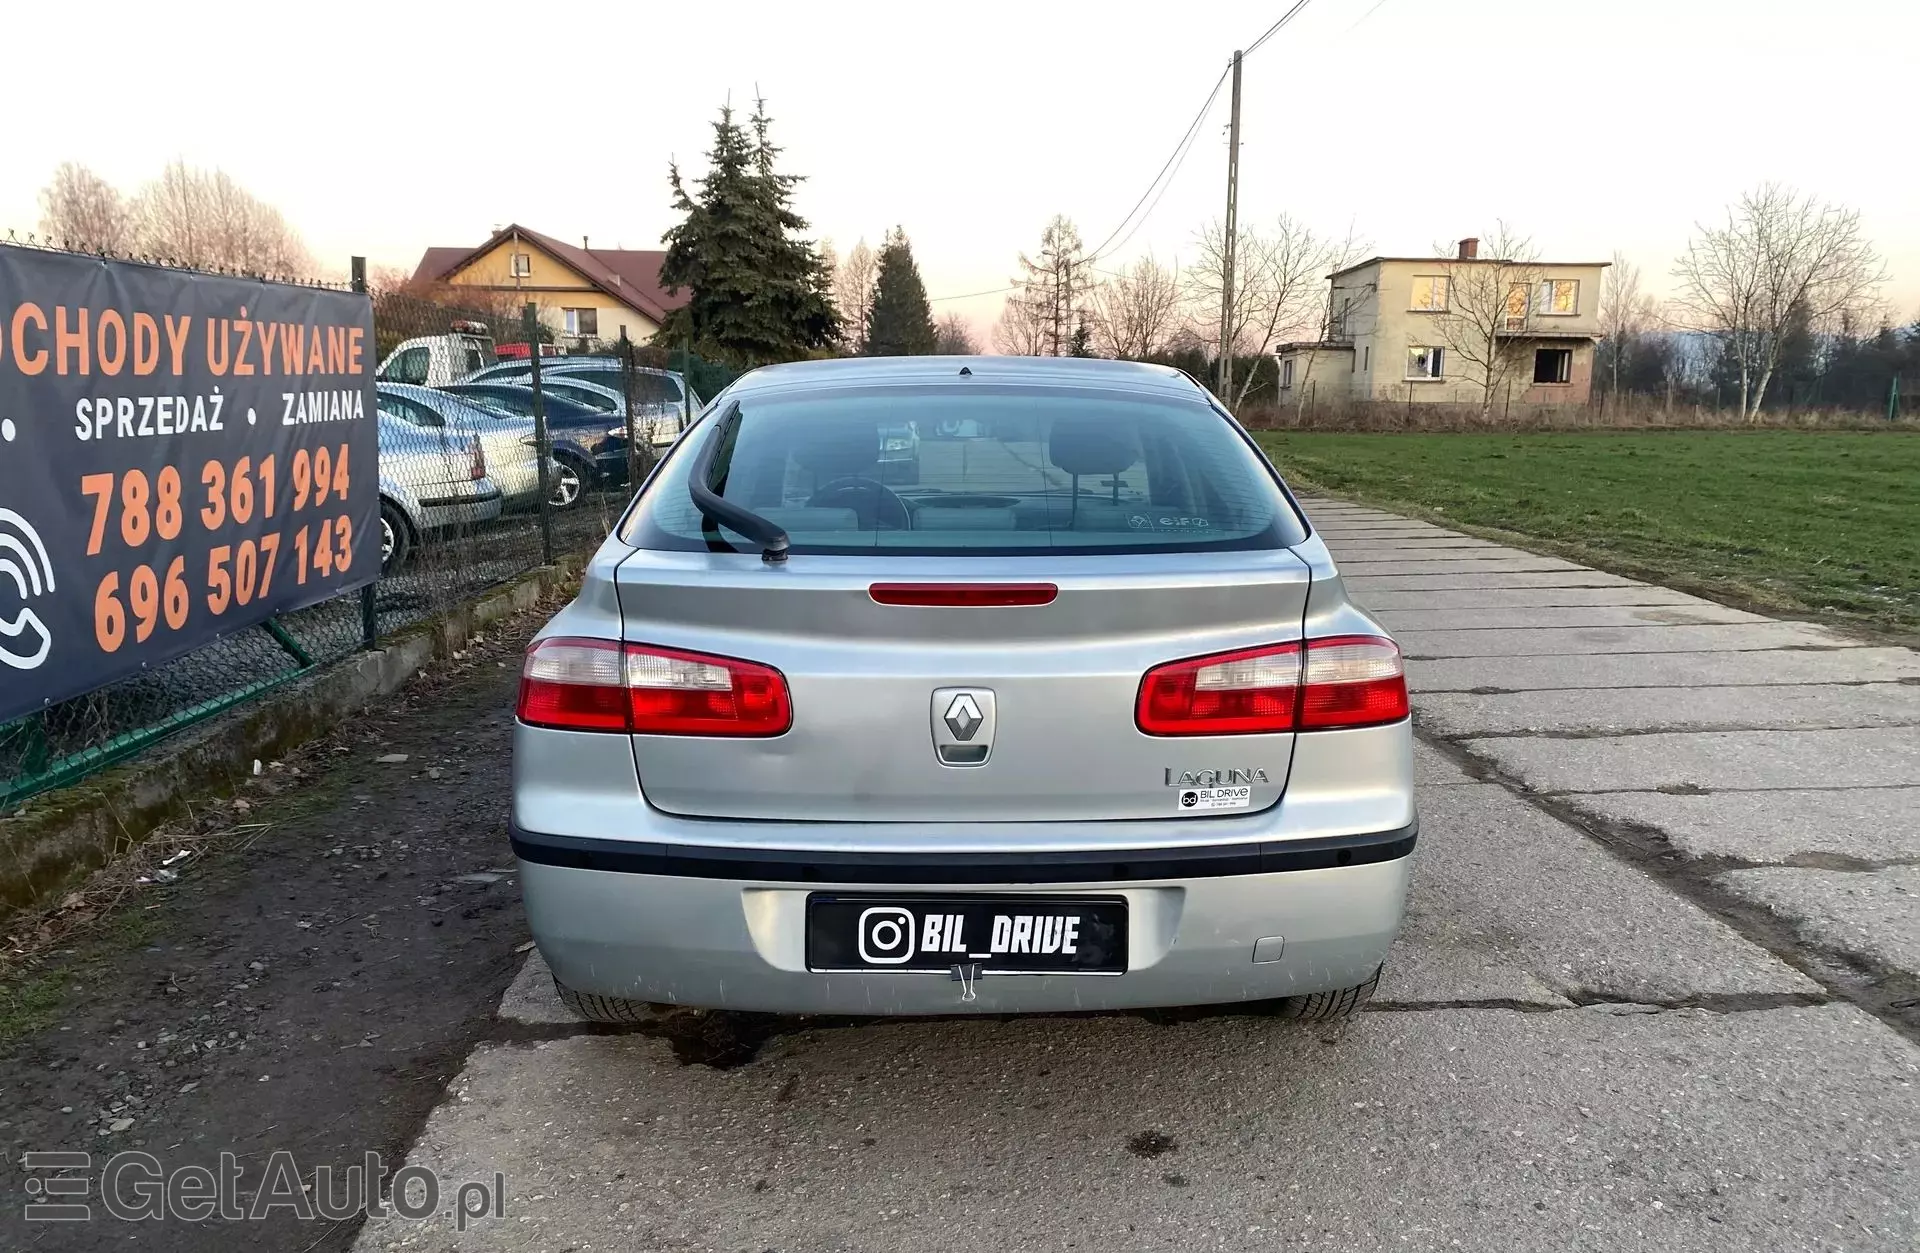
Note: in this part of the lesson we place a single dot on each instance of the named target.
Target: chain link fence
(467, 502)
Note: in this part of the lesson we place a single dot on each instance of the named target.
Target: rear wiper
(717, 508)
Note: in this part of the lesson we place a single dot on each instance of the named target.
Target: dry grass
(1632, 414)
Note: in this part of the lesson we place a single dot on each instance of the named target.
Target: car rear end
(1080, 720)
(439, 477)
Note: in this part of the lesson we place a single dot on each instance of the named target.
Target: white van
(436, 360)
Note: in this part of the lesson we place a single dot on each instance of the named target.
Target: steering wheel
(871, 501)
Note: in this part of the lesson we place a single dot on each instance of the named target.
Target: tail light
(636, 689)
(479, 461)
(1313, 685)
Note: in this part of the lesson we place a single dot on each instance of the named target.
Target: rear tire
(603, 1008)
(1340, 1003)
(396, 537)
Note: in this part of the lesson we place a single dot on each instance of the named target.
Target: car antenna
(717, 508)
(966, 371)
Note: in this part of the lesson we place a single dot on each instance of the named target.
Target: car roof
(1056, 371)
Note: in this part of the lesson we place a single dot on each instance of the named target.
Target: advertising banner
(182, 456)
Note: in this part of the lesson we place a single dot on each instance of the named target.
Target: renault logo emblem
(963, 725)
(963, 717)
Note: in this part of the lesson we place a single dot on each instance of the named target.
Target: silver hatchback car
(1083, 719)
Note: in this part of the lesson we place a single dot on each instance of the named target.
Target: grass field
(1804, 522)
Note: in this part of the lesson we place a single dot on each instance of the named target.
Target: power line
(968, 295)
(1186, 142)
(1178, 154)
(1163, 179)
(1172, 163)
(1286, 17)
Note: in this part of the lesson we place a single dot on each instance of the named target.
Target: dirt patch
(336, 940)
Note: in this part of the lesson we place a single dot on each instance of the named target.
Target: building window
(1516, 307)
(1553, 365)
(1430, 293)
(1286, 373)
(1559, 297)
(1426, 363)
(584, 323)
(519, 265)
(1366, 359)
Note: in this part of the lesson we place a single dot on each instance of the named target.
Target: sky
(1589, 125)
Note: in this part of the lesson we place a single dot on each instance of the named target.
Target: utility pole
(1233, 224)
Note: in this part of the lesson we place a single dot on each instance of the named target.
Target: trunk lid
(1051, 686)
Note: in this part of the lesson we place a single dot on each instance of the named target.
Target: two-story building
(586, 295)
(1434, 329)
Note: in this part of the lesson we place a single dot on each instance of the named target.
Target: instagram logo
(886, 935)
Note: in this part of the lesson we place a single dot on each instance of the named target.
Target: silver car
(1083, 719)
(429, 483)
(512, 463)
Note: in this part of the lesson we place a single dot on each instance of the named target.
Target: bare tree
(1626, 315)
(1279, 286)
(207, 220)
(1134, 313)
(1777, 255)
(1057, 283)
(1024, 327)
(81, 209)
(1488, 297)
(853, 293)
(953, 337)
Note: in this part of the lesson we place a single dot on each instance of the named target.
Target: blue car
(582, 440)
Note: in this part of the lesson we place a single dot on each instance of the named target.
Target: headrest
(1080, 446)
(839, 450)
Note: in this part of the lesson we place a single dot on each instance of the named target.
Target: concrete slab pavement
(1666, 672)
(1861, 757)
(1563, 616)
(1611, 710)
(1873, 913)
(1772, 827)
(1484, 1130)
(1517, 641)
(1696, 736)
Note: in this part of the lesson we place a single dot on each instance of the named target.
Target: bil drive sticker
(1216, 798)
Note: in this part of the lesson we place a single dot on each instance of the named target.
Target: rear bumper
(725, 927)
(447, 512)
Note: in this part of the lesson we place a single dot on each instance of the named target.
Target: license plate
(999, 935)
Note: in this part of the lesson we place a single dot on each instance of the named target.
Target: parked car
(428, 486)
(658, 423)
(512, 463)
(653, 388)
(1084, 721)
(435, 359)
(580, 434)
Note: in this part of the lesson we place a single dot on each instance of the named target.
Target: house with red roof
(587, 295)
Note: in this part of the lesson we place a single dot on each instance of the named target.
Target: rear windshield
(976, 470)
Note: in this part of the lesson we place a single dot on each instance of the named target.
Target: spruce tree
(900, 323)
(759, 292)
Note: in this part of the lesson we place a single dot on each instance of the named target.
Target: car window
(409, 365)
(519, 401)
(408, 410)
(648, 389)
(585, 395)
(979, 470)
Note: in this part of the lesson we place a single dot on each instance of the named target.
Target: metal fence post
(369, 611)
(543, 447)
(633, 430)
